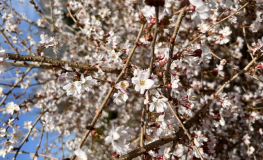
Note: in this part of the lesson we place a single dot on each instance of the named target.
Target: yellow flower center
(123, 85)
(142, 82)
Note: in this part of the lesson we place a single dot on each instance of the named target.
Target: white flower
(11, 107)
(158, 104)
(246, 139)
(16, 136)
(206, 55)
(1, 92)
(203, 27)
(191, 95)
(226, 102)
(250, 150)
(2, 132)
(120, 98)
(179, 150)
(122, 86)
(87, 82)
(201, 9)
(119, 138)
(3, 64)
(28, 124)
(2, 55)
(175, 80)
(225, 32)
(7, 146)
(142, 82)
(73, 89)
(46, 41)
(81, 155)
(200, 138)
(114, 56)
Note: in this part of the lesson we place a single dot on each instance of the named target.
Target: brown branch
(54, 63)
(42, 155)
(171, 48)
(146, 108)
(38, 146)
(109, 93)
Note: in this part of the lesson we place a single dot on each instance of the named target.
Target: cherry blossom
(120, 98)
(11, 107)
(28, 124)
(119, 139)
(92, 79)
(142, 82)
(158, 104)
(201, 10)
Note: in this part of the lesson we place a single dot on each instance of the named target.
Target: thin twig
(171, 48)
(38, 146)
(42, 155)
(185, 130)
(109, 93)
(11, 89)
(7, 40)
(28, 134)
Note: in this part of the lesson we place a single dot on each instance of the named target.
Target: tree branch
(109, 93)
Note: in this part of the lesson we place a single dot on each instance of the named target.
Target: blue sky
(30, 146)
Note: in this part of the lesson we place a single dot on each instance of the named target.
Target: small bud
(97, 111)
(115, 155)
(54, 69)
(94, 131)
(160, 74)
(260, 66)
(142, 19)
(169, 85)
(191, 8)
(139, 43)
(197, 53)
(161, 57)
(171, 40)
(149, 37)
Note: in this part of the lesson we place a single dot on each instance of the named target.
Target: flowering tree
(154, 79)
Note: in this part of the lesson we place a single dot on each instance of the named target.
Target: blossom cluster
(173, 79)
